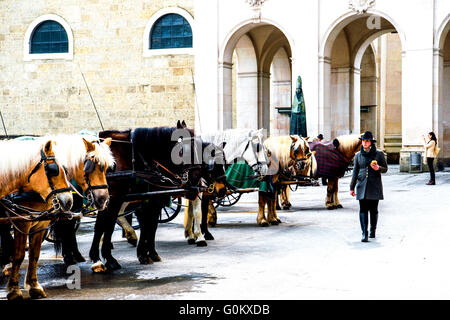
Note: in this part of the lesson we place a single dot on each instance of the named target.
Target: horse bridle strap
(49, 167)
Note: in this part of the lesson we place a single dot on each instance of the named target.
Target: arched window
(171, 31)
(49, 37)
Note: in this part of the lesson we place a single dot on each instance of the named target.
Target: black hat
(320, 136)
(368, 136)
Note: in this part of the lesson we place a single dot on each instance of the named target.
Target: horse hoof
(15, 295)
(286, 208)
(155, 257)
(209, 236)
(331, 208)
(132, 241)
(264, 224)
(112, 265)
(145, 260)
(191, 241)
(339, 206)
(37, 293)
(98, 267)
(274, 223)
(202, 243)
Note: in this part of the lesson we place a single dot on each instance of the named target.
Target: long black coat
(368, 181)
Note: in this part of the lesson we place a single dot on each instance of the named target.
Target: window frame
(148, 52)
(47, 56)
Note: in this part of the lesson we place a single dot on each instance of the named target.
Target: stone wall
(129, 90)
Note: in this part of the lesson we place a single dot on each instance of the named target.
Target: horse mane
(17, 157)
(72, 150)
(348, 144)
(280, 149)
(236, 140)
(154, 144)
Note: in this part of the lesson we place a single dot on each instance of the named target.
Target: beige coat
(430, 151)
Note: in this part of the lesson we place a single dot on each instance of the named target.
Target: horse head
(213, 168)
(256, 154)
(48, 178)
(91, 174)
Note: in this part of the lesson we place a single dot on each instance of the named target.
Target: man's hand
(352, 193)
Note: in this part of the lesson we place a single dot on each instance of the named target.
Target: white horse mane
(73, 151)
(17, 156)
(236, 140)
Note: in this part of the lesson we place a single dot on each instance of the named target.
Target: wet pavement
(313, 254)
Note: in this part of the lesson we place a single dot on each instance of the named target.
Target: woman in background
(430, 144)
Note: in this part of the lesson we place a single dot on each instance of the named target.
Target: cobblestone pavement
(313, 254)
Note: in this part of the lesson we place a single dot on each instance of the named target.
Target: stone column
(225, 96)
(247, 100)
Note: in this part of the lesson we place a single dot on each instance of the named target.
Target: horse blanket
(330, 162)
(241, 176)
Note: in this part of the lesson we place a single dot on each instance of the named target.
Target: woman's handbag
(436, 151)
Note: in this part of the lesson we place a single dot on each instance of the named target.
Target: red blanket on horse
(330, 162)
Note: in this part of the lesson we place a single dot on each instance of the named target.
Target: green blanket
(240, 176)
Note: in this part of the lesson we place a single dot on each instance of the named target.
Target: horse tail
(56, 231)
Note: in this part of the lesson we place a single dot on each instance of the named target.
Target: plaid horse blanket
(330, 162)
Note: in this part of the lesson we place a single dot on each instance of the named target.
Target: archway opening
(256, 79)
(363, 81)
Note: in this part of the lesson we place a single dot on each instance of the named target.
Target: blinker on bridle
(51, 170)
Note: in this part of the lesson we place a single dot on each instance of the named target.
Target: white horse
(241, 144)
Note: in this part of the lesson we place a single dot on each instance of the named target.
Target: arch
(335, 28)
(147, 52)
(441, 33)
(29, 33)
(361, 47)
(230, 40)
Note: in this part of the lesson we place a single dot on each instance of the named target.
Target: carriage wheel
(170, 212)
(48, 236)
(228, 200)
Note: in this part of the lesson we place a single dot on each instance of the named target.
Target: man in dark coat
(369, 164)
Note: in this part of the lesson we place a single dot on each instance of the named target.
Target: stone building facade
(129, 87)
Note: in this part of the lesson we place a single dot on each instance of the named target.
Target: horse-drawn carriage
(145, 180)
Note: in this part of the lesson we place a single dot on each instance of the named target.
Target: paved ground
(313, 254)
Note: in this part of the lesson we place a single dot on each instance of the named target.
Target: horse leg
(154, 216)
(111, 263)
(329, 203)
(212, 215)
(279, 198)
(64, 230)
(94, 253)
(261, 219)
(74, 245)
(285, 198)
(141, 250)
(20, 242)
(271, 212)
(197, 209)
(337, 203)
(34, 250)
(189, 222)
(125, 223)
(206, 202)
(7, 247)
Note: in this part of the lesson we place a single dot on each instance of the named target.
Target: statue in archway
(298, 112)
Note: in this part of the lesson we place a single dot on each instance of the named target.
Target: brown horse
(86, 162)
(348, 146)
(285, 152)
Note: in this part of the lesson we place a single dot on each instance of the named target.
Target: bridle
(51, 170)
(256, 167)
(300, 162)
(89, 167)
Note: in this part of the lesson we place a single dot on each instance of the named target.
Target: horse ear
(223, 144)
(179, 125)
(184, 124)
(293, 138)
(108, 141)
(48, 147)
(306, 139)
(89, 146)
(336, 143)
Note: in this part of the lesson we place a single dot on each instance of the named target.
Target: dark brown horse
(162, 160)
